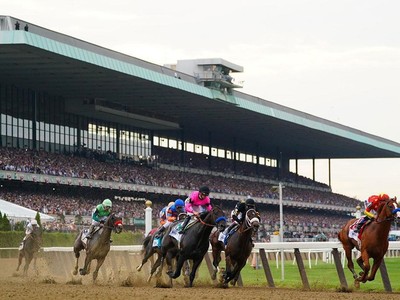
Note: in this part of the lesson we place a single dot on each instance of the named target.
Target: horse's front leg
(228, 270)
(178, 268)
(350, 264)
(236, 272)
(35, 265)
(86, 267)
(196, 264)
(100, 261)
(20, 257)
(216, 253)
(363, 262)
(28, 259)
(374, 269)
(77, 254)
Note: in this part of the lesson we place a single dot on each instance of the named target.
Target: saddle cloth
(353, 234)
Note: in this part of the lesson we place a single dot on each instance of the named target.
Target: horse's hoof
(82, 272)
(75, 272)
(213, 276)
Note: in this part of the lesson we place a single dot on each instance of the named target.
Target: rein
(219, 219)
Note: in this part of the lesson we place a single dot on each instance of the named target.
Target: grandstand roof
(108, 85)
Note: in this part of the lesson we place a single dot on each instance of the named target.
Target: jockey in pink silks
(196, 203)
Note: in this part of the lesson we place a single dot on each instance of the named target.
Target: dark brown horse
(98, 246)
(374, 242)
(30, 248)
(194, 242)
(149, 250)
(239, 246)
(216, 248)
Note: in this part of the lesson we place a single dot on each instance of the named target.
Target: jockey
(172, 213)
(371, 205)
(238, 215)
(99, 215)
(30, 227)
(196, 203)
(163, 213)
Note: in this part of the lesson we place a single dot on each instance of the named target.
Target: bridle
(248, 222)
(393, 212)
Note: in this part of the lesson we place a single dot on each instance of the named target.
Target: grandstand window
(206, 150)
(189, 147)
(173, 144)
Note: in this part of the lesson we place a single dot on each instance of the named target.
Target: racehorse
(239, 246)
(149, 250)
(31, 246)
(98, 246)
(194, 242)
(216, 248)
(374, 242)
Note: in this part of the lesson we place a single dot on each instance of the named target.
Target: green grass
(322, 276)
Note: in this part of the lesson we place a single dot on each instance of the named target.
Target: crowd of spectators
(72, 210)
(65, 203)
(76, 166)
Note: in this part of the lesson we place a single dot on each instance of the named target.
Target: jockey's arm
(369, 214)
(95, 216)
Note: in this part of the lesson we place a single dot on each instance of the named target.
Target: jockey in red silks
(371, 205)
(196, 203)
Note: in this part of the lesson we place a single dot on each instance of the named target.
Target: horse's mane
(382, 206)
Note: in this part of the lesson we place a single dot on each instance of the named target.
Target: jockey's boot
(91, 229)
(184, 224)
(360, 224)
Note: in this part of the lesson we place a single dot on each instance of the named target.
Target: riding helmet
(204, 190)
(179, 202)
(107, 203)
(383, 197)
(250, 203)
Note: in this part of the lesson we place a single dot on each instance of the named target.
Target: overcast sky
(339, 60)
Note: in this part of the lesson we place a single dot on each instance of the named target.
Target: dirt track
(56, 282)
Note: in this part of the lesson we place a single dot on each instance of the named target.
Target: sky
(338, 60)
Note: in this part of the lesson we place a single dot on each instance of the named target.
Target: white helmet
(34, 222)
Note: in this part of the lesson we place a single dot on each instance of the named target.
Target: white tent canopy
(17, 212)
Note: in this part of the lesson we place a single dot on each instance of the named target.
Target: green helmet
(107, 203)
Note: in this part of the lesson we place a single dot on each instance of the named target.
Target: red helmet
(383, 197)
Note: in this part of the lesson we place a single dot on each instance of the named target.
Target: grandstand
(80, 123)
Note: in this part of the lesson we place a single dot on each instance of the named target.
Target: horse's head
(218, 218)
(114, 222)
(252, 220)
(387, 210)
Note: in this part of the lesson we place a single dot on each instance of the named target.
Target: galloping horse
(194, 242)
(239, 246)
(374, 242)
(149, 249)
(98, 246)
(31, 246)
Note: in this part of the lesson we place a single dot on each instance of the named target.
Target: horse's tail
(146, 242)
